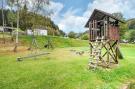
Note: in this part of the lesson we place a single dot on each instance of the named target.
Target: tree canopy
(27, 20)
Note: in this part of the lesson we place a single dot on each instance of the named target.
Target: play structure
(103, 39)
(35, 49)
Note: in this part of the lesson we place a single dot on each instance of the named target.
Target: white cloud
(72, 22)
(56, 7)
(127, 7)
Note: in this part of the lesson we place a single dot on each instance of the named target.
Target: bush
(85, 37)
(130, 35)
(72, 34)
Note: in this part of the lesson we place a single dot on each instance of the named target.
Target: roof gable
(99, 15)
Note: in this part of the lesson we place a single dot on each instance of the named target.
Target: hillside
(56, 41)
(29, 20)
(131, 23)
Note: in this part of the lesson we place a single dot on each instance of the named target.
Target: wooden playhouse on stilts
(103, 39)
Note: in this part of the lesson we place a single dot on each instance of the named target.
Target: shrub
(85, 37)
(72, 34)
(130, 35)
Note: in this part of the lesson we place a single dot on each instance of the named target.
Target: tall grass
(63, 69)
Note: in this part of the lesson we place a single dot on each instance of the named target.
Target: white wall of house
(40, 32)
(1, 28)
(29, 32)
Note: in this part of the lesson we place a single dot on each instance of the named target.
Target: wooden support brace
(31, 56)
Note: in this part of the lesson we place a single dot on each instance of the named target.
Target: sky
(72, 15)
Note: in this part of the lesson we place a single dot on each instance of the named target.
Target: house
(40, 32)
(1, 28)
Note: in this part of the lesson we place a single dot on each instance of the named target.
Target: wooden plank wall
(92, 32)
(107, 30)
(113, 32)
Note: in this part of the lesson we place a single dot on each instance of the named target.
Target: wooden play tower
(103, 39)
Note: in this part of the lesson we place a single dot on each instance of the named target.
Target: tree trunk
(16, 44)
(3, 23)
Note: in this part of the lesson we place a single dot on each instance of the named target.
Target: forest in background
(28, 18)
(31, 20)
(26, 21)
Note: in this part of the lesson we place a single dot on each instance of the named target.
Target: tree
(62, 33)
(38, 6)
(29, 19)
(18, 4)
(3, 23)
(130, 35)
(85, 36)
(118, 15)
(24, 19)
(131, 23)
(123, 26)
(72, 34)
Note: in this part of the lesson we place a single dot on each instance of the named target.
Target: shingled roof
(99, 15)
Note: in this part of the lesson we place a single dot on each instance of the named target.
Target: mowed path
(63, 69)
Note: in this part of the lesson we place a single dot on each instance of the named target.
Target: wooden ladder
(96, 53)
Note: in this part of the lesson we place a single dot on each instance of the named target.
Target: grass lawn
(63, 69)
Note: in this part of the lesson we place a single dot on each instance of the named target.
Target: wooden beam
(116, 52)
(89, 32)
(10, 28)
(109, 48)
(31, 56)
(91, 46)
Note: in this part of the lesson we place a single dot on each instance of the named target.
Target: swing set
(34, 45)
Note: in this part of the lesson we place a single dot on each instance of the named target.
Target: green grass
(56, 41)
(63, 69)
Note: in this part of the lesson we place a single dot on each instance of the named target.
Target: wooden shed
(103, 34)
(102, 24)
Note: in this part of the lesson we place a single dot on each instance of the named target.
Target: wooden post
(96, 28)
(108, 26)
(89, 31)
(90, 47)
(108, 60)
(104, 29)
(92, 30)
(116, 57)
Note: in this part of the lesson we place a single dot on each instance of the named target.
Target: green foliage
(131, 23)
(85, 37)
(118, 15)
(11, 15)
(27, 21)
(72, 34)
(123, 26)
(62, 33)
(130, 35)
(56, 41)
(123, 29)
(64, 70)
